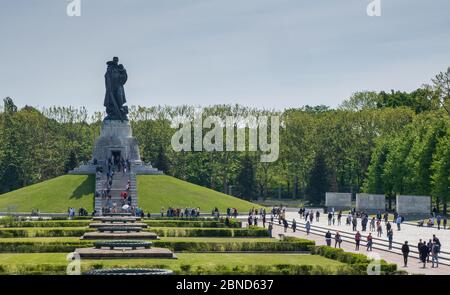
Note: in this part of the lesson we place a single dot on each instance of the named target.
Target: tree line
(377, 142)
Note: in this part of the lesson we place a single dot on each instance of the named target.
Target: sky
(272, 54)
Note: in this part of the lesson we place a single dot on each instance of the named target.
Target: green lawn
(154, 192)
(157, 191)
(204, 260)
(54, 195)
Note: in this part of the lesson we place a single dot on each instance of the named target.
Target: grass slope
(157, 191)
(54, 195)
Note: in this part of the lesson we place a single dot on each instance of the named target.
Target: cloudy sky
(264, 53)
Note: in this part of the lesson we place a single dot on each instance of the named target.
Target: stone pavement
(409, 232)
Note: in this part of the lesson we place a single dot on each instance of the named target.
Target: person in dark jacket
(328, 238)
(424, 251)
(405, 251)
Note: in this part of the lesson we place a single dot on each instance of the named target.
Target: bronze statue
(115, 77)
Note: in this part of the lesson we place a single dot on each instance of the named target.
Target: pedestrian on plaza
(294, 225)
(339, 217)
(372, 224)
(285, 224)
(405, 251)
(434, 255)
(337, 239)
(328, 238)
(390, 236)
(317, 215)
(430, 246)
(270, 228)
(357, 240)
(379, 229)
(419, 245)
(264, 220)
(355, 223)
(307, 227)
(424, 254)
(445, 222)
(330, 216)
(399, 222)
(369, 242)
(439, 219)
(388, 226)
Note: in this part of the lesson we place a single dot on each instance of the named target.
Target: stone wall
(413, 205)
(370, 203)
(338, 201)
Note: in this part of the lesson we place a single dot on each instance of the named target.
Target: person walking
(357, 240)
(355, 223)
(339, 217)
(390, 236)
(372, 224)
(294, 225)
(434, 255)
(307, 227)
(285, 224)
(423, 254)
(445, 222)
(330, 217)
(439, 219)
(405, 252)
(399, 222)
(369, 242)
(337, 239)
(264, 220)
(328, 238)
(317, 215)
(270, 228)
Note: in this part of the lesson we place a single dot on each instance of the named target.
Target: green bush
(48, 223)
(44, 232)
(235, 246)
(358, 262)
(192, 223)
(210, 232)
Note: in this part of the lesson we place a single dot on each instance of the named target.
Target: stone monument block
(413, 205)
(338, 201)
(370, 203)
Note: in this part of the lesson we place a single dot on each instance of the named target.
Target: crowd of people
(178, 212)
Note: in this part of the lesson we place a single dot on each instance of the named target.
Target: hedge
(192, 223)
(49, 232)
(177, 246)
(359, 262)
(210, 232)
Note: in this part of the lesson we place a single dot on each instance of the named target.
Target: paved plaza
(408, 232)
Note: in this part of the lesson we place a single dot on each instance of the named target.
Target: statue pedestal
(116, 137)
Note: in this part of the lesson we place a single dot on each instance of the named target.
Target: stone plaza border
(409, 205)
(370, 203)
(338, 201)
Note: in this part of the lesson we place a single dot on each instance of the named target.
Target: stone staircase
(119, 184)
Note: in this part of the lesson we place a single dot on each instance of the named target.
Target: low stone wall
(370, 203)
(413, 205)
(338, 201)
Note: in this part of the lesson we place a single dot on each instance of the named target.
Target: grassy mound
(54, 195)
(157, 191)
